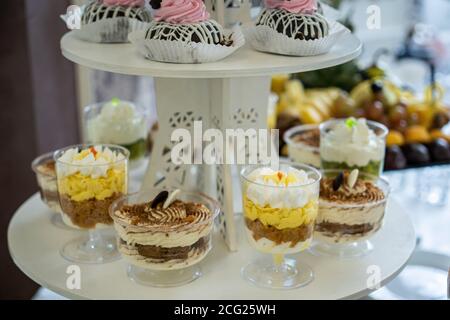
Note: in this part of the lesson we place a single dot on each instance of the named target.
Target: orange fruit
(395, 138)
(436, 134)
(417, 133)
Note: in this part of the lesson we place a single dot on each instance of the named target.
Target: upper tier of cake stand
(124, 59)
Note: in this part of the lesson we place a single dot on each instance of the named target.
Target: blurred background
(404, 68)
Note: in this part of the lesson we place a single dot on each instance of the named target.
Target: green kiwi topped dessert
(353, 144)
(118, 122)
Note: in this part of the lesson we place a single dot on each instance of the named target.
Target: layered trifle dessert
(44, 167)
(170, 231)
(90, 179)
(352, 206)
(118, 122)
(353, 144)
(303, 144)
(280, 208)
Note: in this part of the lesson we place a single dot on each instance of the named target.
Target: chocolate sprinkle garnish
(337, 182)
(160, 198)
(156, 4)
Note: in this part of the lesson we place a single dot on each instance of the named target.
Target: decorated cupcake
(182, 32)
(297, 19)
(110, 21)
(187, 21)
(294, 27)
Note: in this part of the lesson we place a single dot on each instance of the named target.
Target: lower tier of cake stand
(34, 244)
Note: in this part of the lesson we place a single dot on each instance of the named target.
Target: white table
(34, 245)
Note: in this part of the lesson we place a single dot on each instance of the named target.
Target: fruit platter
(418, 123)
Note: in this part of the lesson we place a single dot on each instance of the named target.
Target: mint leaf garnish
(115, 102)
(351, 123)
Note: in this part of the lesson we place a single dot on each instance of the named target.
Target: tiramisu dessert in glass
(44, 168)
(303, 144)
(118, 122)
(351, 210)
(351, 143)
(280, 208)
(164, 234)
(90, 178)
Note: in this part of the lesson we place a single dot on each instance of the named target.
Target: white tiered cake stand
(232, 93)
(227, 94)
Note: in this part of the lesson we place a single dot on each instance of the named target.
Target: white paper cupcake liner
(266, 39)
(182, 52)
(111, 30)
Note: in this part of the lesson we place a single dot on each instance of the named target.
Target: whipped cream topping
(355, 145)
(277, 188)
(125, 3)
(182, 11)
(363, 192)
(179, 215)
(118, 122)
(94, 162)
(293, 6)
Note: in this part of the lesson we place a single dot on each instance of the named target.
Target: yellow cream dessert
(89, 180)
(280, 208)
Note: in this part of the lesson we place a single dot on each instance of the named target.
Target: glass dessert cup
(279, 225)
(351, 150)
(343, 228)
(44, 168)
(303, 144)
(120, 123)
(85, 193)
(164, 247)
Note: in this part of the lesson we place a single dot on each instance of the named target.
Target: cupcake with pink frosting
(186, 21)
(182, 32)
(297, 19)
(110, 21)
(294, 27)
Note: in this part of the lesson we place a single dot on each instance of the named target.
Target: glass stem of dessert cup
(162, 278)
(282, 268)
(95, 241)
(278, 272)
(279, 264)
(95, 247)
